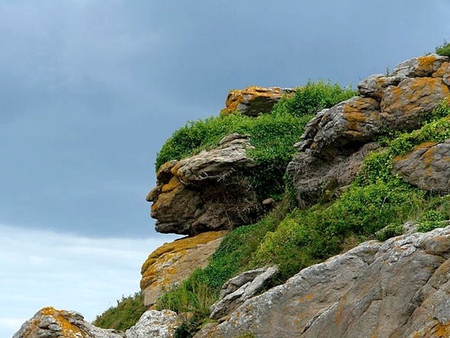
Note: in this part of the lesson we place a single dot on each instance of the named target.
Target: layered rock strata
(173, 262)
(208, 191)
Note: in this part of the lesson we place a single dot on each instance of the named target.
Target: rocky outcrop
(155, 324)
(254, 100)
(427, 166)
(208, 191)
(399, 288)
(173, 262)
(240, 288)
(51, 323)
(335, 140)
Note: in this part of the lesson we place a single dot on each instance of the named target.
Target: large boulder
(335, 140)
(173, 262)
(254, 100)
(427, 166)
(399, 288)
(208, 191)
(51, 323)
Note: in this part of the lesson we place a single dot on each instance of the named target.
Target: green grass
(124, 315)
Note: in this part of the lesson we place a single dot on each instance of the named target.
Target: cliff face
(396, 288)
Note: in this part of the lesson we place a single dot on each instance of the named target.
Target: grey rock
(427, 166)
(51, 323)
(403, 106)
(423, 66)
(155, 324)
(399, 288)
(374, 85)
(208, 191)
(238, 289)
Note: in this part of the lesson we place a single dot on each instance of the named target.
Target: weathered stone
(403, 106)
(374, 85)
(352, 121)
(316, 178)
(51, 323)
(238, 289)
(155, 324)
(444, 73)
(173, 262)
(398, 101)
(427, 166)
(399, 288)
(208, 191)
(422, 66)
(254, 100)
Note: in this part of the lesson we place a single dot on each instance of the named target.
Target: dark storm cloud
(90, 90)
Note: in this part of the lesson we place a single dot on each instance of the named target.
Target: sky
(90, 90)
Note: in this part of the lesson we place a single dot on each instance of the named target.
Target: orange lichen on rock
(360, 112)
(173, 262)
(253, 100)
(403, 104)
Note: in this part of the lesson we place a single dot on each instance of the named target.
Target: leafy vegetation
(272, 135)
(124, 315)
(375, 206)
(443, 49)
(313, 97)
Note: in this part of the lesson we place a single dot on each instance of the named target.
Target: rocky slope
(398, 288)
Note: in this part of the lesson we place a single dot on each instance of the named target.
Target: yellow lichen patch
(360, 111)
(440, 331)
(239, 96)
(172, 185)
(340, 309)
(426, 63)
(173, 262)
(67, 329)
(442, 70)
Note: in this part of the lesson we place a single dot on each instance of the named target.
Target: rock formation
(427, 166)
(209, 191)
(173, 262)
(51, 323)
(399, 288)
(254, 100)
(336, 140)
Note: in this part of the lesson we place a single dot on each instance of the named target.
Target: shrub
(124, 315)
(312, 98)
(444, 49)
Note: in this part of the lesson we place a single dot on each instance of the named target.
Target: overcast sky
(90, 90)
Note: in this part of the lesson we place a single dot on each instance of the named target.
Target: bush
(124, 315)
(444, 49)
(312, 98)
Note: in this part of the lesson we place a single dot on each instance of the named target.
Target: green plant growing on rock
(444, 49)
(124, 315)
(313, 97)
